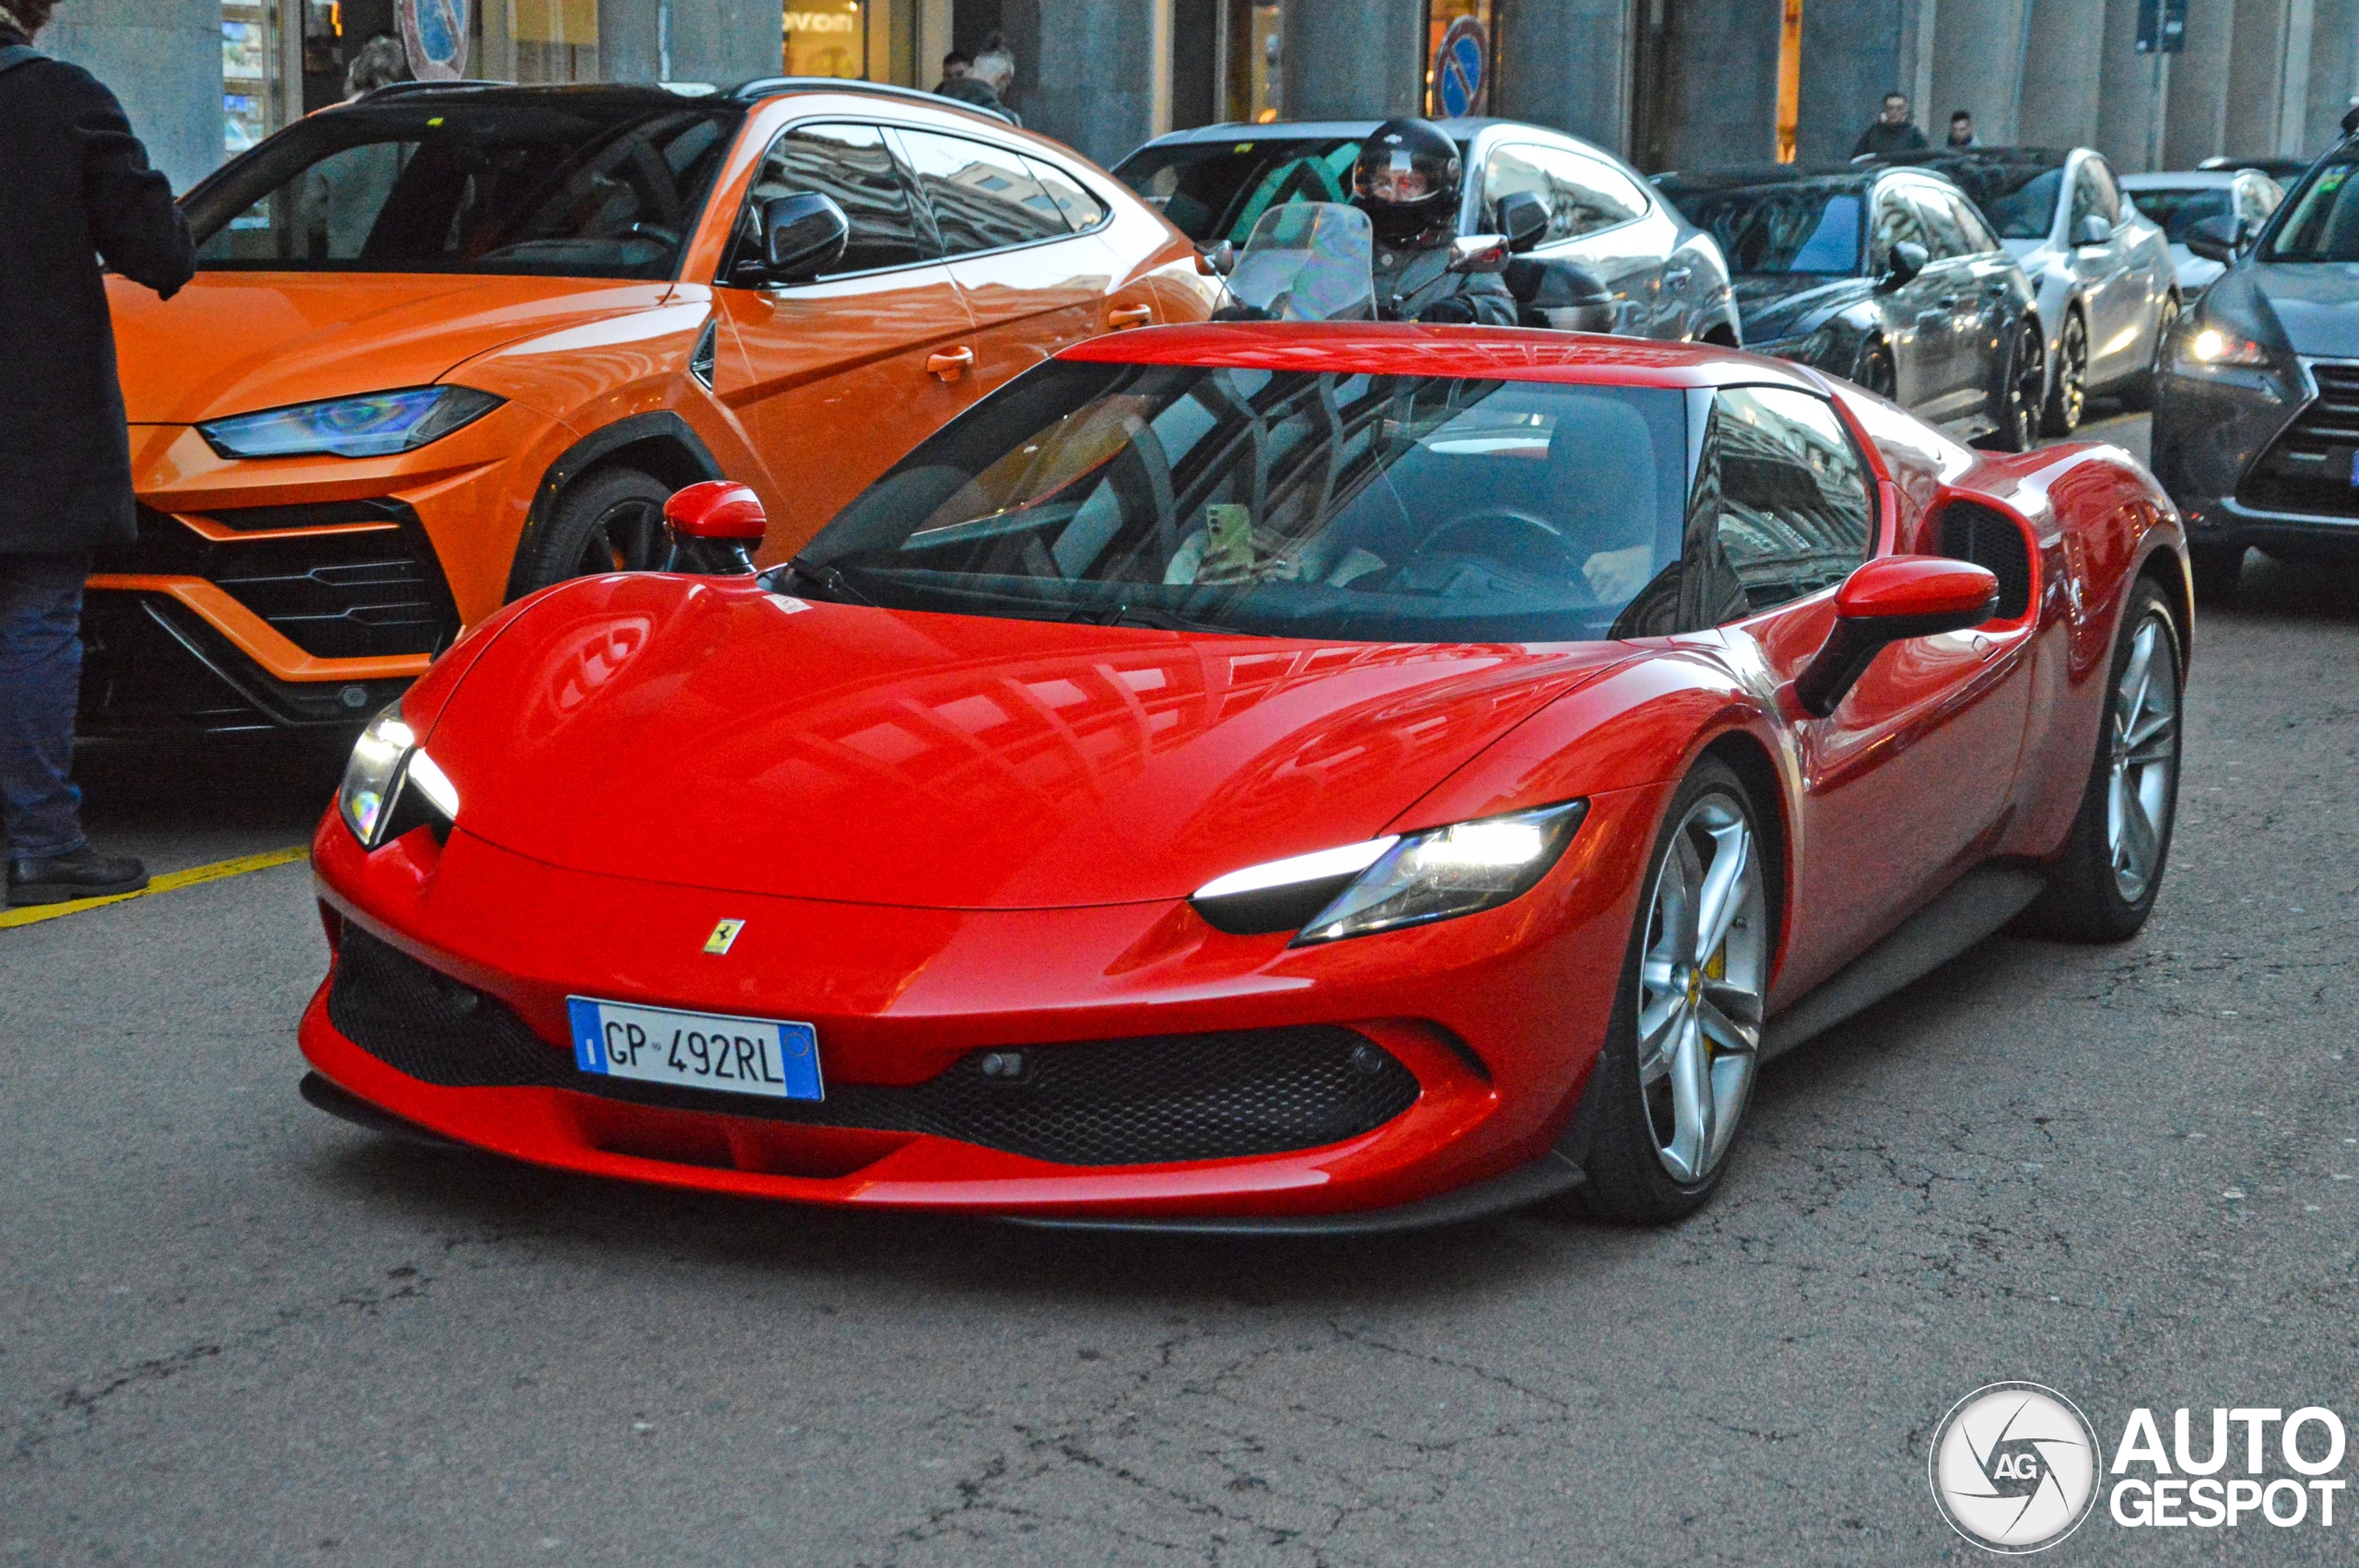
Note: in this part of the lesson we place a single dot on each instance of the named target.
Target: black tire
(2217, 568)
(2014, 404)
(2138, 395)
(1876, 372)
(2086, 899)
(2067, 389)
(1628, 1183)
(609, 520)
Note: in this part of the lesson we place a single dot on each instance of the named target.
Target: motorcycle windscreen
(1309, 262)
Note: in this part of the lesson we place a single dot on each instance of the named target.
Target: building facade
(1671, 83)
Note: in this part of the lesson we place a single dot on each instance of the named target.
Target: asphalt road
(233, 1330)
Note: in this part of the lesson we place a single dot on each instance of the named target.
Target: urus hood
(235, 341)
(2316, 303)
(1776, 305)
(709, 735)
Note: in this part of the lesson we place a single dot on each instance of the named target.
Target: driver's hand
(1615, 576)
(1456, 310)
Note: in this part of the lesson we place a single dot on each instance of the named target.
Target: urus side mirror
(1909, 258)
(802, 235)
(715, 527)
(1891, 600)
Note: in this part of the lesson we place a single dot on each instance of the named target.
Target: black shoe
(85, 873)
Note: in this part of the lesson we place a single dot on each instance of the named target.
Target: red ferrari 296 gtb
(1262, 776)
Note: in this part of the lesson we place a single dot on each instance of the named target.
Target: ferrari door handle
(1126, 316)
(950, 364)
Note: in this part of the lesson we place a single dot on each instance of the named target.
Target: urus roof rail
(394, 90)
(765, 87)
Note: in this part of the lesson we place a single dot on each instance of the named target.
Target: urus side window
(1782, 506)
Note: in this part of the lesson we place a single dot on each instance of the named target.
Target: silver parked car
(1662, 277)
(2179, 201)
(2109, 297)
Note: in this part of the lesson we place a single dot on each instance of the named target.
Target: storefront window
(555, 40)
(1253, 40)
(248, 73)
(826, 37)
(1461, 56)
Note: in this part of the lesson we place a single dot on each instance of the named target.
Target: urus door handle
(950, 363)
(1125, 316)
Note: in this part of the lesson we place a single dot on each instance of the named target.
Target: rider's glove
(1456, 310)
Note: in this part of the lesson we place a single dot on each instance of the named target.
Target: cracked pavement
(233, 1330)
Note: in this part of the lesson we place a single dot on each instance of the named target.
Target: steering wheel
(1536, 535)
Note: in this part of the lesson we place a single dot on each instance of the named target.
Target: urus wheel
(610, 520)
(1667, 1094)
(2067, 394)
(2104, 885)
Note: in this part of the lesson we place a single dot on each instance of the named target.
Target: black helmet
(1407, 179)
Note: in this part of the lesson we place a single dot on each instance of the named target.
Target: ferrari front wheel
(2103, 886)
(1676, 1072)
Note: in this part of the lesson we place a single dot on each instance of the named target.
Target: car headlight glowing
(2211, 345)
(373, 425)
(1386, 884)
(391, 785)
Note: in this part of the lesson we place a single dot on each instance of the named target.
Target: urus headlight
(1386, 884)
(374, 425)
(392, 786)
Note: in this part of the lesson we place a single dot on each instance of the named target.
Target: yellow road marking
(166, 884)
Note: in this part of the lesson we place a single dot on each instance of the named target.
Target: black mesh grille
(2310, 468)
(1113, 1103)
(1990, 540)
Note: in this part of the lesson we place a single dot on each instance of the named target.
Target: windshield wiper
(831, 579)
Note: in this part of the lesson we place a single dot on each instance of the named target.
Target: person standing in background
(75, 187)
(343, 194)
(1893, 131)
(989, 82)
(956, 66)
(1961, 131)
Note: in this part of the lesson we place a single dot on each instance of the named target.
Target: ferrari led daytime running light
(428, 779)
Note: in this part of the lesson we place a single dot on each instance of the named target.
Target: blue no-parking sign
(1460, 69)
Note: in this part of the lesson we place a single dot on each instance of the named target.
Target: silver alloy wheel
(2143, 758)
(1700, 981)
(2073, 373)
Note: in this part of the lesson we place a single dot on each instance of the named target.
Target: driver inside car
(1407, 181)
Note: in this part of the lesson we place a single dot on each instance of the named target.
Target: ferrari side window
(1794, 511)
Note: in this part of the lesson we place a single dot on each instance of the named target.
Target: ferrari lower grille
(1132, 1102)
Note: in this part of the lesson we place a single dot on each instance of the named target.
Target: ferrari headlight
(374, 425)
(1386, 884)
(392, 786)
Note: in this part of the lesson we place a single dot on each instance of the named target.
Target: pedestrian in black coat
(75, 187)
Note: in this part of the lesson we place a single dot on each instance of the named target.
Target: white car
(2108, 295)
(2180, 200)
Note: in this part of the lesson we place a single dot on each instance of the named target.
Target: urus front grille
(353, 579)
(1134, 1101)
(2313, 467)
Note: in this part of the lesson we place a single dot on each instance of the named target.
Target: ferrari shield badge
(725, 935)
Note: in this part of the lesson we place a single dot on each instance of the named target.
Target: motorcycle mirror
(802, 235)
(2215, 239)
(1523, 218)
(1479, 253)
(1891, 600)
(2094, 229)
(1907, 258)
(1216, 261)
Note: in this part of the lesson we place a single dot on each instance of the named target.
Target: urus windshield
(584, 183)
(1390, 509)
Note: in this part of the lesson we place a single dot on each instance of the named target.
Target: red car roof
(1402, 348)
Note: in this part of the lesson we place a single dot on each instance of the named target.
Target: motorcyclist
(1407, 181)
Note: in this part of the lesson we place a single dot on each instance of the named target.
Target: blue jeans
(40, 672)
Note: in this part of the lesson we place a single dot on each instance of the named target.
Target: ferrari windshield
(1781, 228)
(1384, 508)
(594, 183)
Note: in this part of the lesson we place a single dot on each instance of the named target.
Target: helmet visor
(1397, 183)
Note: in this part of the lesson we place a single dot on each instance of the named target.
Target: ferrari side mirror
(1891, 600)
(715, 527)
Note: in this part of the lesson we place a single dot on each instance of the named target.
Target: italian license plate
(696, 1050)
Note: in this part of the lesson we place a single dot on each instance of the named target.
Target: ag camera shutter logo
(2014, 1468)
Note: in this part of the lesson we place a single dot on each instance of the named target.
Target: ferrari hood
(713, 735)
(235, 342)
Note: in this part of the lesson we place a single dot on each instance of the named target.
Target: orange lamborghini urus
(448, 345)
